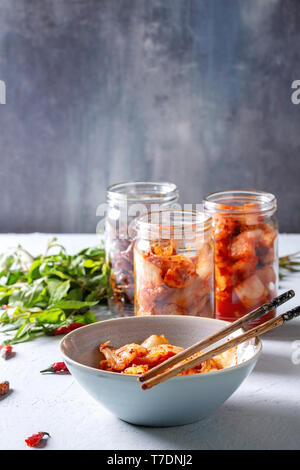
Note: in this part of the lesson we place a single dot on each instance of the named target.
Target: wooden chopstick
(204, 343)
(254, 332)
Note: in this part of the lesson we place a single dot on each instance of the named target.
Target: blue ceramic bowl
(180, 400)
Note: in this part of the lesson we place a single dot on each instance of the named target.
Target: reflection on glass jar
(245, 236)
(125, 202)
(173, 261)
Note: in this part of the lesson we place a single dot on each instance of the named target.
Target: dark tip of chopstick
(268, 307)
(277, 301)
(291, 314)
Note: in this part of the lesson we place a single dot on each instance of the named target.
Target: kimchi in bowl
(180, 400)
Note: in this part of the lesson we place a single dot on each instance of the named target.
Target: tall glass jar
(125, 202)
(173, 261)
(245, 234)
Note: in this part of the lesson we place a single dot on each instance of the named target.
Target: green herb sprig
(289, 264)
(40, 294)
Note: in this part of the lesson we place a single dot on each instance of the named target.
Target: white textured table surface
(264, 413)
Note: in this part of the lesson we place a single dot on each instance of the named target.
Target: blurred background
(197, 92)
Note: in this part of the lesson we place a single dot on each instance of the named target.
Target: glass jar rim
(230, 202)
(143, 191)
(186, 224)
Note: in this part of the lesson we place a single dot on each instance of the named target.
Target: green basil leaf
(73, 304)
(57, 289)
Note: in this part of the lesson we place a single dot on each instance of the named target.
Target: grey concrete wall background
(100, 91)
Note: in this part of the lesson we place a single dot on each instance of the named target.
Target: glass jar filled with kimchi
(244, 232)
(125, 202)
(173, 262)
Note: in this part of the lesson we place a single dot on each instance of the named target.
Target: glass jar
(173, 264)
(125, 202)
(244, 234)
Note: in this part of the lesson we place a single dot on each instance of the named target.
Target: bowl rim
(107, 374)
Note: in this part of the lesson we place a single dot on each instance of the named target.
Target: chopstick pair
(160, 373)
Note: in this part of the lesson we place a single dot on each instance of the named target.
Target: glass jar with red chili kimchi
(245, 233)
(173, 262)
(125, 202)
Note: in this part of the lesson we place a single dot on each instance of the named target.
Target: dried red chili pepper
(62, 330)
(4, 388)
(57, 368)
(35, 439)
(6, 351)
